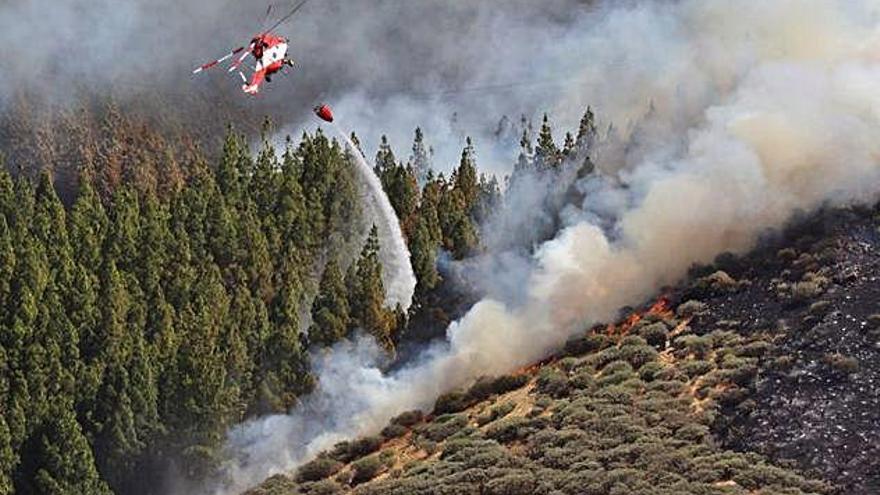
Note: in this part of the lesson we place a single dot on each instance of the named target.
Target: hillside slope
(758, 375)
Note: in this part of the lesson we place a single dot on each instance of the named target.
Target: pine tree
(489, 198)
(429, 207)
(424, 259)
(8, 457)
(357, 144)
(546, 152)
(569, 147)
(370, 311)
(385, 160)
(421, 158)
(465, 179)
(587, 134)
(330, 310)
(60, 461)
(123, 236)
(230, 175)
(525, 160)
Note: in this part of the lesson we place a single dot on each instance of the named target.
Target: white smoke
(749, 112)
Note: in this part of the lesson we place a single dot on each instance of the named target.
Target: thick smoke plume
(371, 59)
(734, 115)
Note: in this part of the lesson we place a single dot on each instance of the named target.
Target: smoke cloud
(737, 115)
(385, 65)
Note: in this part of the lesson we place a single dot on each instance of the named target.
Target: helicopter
(270, 51)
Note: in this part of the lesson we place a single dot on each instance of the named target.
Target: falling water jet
(398, 276)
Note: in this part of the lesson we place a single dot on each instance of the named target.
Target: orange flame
(660, 308)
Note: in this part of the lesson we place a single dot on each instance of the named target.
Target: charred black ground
(817, 403)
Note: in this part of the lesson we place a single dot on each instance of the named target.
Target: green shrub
(690, 308)
(583, 380)
(323, 487)
(444, 427)
(568, 364)
(517, 483)
(692, 432)
(632, 340)
(552, 382)
(649, 371)
(366, 469)
(496, 412)
(638, 355)
(718, 283)
(452, 402)
(394, 431)
(696, 368)
(580, 345)
(617, 367)
(486, 387)
(318, 469)
(428, 445)
(598, 360)
(349, 451)
(655, 334)
(669, 387)
(699, 346)
(510, 429)
(409, 418)
(756, 349)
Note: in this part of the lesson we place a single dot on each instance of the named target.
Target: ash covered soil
(756, 375)
(816, 404)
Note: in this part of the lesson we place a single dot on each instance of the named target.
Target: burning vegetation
(670, 399)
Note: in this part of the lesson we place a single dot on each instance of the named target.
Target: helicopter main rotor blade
(287, 17)
(219, 60)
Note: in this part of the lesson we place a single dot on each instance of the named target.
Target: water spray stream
(398, 276)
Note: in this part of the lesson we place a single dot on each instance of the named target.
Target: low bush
(552, 382)
(394, 431)
(486, 387)
(580, 345)
(509, 430)
(655, 334)
(323, 487)
(649, 371)
(638, 355)
(355, 449)
(697, 345)
(444, 427)
(409, 418)
(318, 469)
(696, 368)
(452, 402)
(690, 309)
(366, 469)
(718, 283)
(496, 412)
(583, 380)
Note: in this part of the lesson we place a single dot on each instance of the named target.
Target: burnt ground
(815, 404)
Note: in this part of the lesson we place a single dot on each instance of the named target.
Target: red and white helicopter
(269, 50)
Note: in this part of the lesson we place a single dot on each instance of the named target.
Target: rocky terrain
(757, 375)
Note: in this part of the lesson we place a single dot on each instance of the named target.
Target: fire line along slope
(756, 375)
